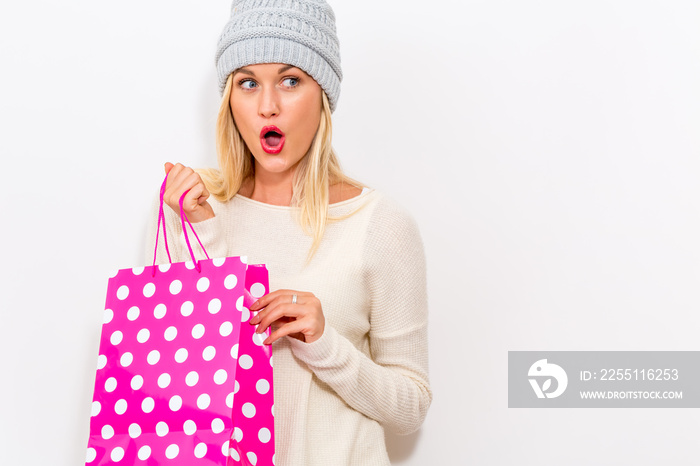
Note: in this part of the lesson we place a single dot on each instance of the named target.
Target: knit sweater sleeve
(209, 232)
(392, 385)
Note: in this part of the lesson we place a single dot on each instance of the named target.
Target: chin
(273, 163)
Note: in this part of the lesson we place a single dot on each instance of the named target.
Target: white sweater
(369, 369)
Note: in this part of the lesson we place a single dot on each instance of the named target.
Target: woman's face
(277, 109)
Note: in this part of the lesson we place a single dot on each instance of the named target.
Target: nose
(269, 103)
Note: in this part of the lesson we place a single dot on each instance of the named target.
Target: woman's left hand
(302, 319)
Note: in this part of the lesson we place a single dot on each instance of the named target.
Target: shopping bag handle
(183, 219)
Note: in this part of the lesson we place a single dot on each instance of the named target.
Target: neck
(269, 188)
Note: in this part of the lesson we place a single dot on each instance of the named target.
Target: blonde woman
(348, 310)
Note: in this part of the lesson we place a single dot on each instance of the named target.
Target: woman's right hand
(181, 179)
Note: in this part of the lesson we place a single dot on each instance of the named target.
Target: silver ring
(294, 299)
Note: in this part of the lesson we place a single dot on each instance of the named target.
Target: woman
(348, 310)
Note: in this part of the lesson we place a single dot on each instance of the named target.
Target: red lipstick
(272, 139)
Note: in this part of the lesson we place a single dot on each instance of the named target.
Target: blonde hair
(317, 171)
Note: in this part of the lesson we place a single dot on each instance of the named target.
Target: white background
(548, 149)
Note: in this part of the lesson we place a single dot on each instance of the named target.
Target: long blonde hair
(317, 171)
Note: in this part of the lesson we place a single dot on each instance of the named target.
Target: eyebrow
(250, 73)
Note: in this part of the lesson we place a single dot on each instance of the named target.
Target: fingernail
(266, 342)
(254, 306)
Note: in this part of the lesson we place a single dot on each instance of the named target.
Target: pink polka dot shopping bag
(182, 378)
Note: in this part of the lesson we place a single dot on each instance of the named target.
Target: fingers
(291, 329)
(303, 320)
(268, 298)
(271, 302)
(273, 313)
(193, 183)
(181, 180)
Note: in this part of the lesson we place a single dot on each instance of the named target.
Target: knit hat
(294, 32)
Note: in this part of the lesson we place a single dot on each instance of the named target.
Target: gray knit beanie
(294, 32)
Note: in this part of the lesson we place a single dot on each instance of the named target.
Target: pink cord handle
(183, 218)
(161, 220)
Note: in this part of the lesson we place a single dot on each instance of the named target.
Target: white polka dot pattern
(169, 366)
(252, 441)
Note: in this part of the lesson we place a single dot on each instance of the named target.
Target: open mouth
(272, 139)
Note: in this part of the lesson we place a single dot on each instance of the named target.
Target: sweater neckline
(348, 202)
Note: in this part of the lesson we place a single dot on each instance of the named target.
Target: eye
(290, 82)
(247, 84)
